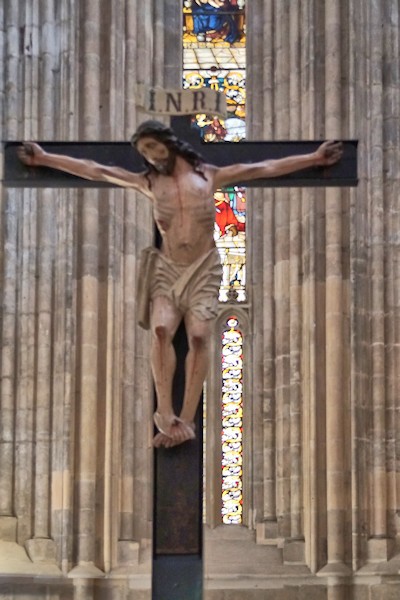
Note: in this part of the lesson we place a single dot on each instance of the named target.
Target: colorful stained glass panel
(214, 22)
(230, 238)
(214, 39)
(232, 422)
(214, 56)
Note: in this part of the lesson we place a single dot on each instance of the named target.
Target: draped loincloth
(192, 287)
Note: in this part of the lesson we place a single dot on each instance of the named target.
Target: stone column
(45, 304)
(87, 405)
(12, 426)
(336, 383)
(391, 187)
(360, 297)
(313, 295)
(63, 377)
(61, 274)
(281, 277)
(24, 423)
(296, 499)
(379, 515)
(126, 469)
(383, 148)
(61, 95)
(260, 103)
(9, 240)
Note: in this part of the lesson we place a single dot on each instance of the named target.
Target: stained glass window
(214, 56)
(232, 422)
(230, 238)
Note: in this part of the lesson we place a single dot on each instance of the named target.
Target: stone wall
(75, 460)
(75, 441)
(326, 377)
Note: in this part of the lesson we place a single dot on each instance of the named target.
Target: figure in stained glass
(211, 19)
(230, 228)
(215, 58)
(226, 220)
(214, 131)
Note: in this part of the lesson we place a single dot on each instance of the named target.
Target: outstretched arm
(326, 155)
(33, 155)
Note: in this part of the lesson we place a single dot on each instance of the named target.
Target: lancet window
(214, 56)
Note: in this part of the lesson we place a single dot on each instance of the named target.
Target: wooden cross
(122, 154)
(178, 483)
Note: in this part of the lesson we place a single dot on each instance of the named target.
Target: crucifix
(180, 184)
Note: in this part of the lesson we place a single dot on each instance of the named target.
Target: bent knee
(162, 333)
(198, 341)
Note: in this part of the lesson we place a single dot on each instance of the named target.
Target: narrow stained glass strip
(232, 422)
(214, 56)
(230, 238)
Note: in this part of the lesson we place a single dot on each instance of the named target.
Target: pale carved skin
(183, 208)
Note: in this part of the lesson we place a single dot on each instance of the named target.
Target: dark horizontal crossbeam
(121, 154)
(344, 173)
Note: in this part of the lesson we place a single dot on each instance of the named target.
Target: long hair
(164, 134)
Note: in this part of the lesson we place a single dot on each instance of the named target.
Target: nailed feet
(173, 431)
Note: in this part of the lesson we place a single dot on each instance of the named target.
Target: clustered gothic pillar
(336, 309)
(74, 448)
(326, 384)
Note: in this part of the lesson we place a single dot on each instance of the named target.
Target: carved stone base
(335, 571)
(15, 560)
(267, 534)
(8, 529)
(85, 571)
(294, 552)
(380, 549)
(128, 553)
(41, 550)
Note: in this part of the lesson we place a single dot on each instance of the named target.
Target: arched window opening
(214, 55)
(232, 422)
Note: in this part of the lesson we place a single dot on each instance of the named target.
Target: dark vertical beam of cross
(177, 572)
(178, 492)
(178, 484)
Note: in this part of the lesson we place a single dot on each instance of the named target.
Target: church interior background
(302, 493)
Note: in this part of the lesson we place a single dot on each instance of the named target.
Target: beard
(166, 167)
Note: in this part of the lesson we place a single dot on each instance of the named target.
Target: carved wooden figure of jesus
(181, 280)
